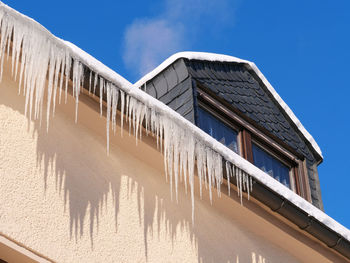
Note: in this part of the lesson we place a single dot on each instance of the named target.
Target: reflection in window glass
(217, 129)
(271, 165)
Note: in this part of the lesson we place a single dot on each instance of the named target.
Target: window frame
(249, 133)
(292, 174)
(225, 121)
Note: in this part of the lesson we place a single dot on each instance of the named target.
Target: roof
(202, 56)
(160, 116)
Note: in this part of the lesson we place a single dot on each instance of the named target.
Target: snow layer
(185, 146)
(226, 58)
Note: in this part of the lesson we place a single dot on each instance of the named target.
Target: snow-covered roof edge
(74, 51)
(225, 58)
(97, 66)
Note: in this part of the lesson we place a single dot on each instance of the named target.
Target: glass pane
(271, 165)
(217, 129)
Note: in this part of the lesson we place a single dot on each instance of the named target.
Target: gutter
(300, 218)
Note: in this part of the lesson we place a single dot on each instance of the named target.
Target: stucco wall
(62, 197)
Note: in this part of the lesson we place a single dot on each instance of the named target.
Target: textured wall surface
(64, 198)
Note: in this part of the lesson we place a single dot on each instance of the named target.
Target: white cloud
(147, 42)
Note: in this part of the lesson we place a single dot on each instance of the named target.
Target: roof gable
(222, 75)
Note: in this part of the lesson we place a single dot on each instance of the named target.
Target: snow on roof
(97, 66)
(225, 58)
(158, 117)
(75, 52)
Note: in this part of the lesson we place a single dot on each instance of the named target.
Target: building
(75, 187)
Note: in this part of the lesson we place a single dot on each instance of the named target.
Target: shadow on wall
(76, 174)
(87, 178)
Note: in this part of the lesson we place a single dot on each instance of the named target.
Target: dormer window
(271, 164)
(223, 131)
(218, 129)
(243, 138)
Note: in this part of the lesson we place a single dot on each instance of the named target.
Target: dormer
(231, 100)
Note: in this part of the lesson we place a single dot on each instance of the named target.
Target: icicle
(77, 82)
(192, 194)
(236, 174)
(135, 118)
(218, 172)
(108, 117)
(90, 82)
(115, 97)
(157, 131)
(244, 181)
(95, 83)
(147, 121)
(201, 164)
(8, 44)
(6, 29)
(18, 34)
(161, 133)
(67, 74)
(122, 106)
(251, 184)
(229, 174)
(140, 115)
(58, 63)
(176, 159)
(190, 162)
(14, 51)
(183, 161)
(61, 80)
(101, 94)
(127, 115)
(130, 108)
(143, 119)
(169, 150)
(210, 173)
(49, 93)
(248, 187)
(240, 185)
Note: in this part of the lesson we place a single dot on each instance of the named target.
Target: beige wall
(62, 197)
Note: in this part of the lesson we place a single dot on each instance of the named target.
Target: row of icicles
(43, 65)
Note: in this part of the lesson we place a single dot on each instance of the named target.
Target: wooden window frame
(248, 133)
(293, 167)
(219, 116)
(226, 121)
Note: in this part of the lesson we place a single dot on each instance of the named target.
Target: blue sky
(302, 47)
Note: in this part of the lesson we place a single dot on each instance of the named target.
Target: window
(271, 165)
(217, 129)
(258, 146)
